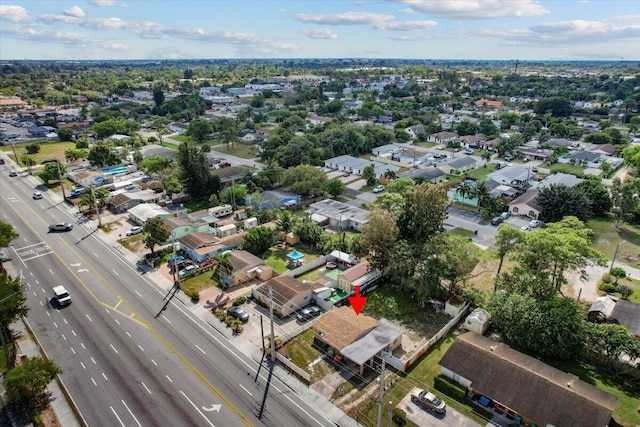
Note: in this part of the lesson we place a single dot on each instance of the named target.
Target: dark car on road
(308, 313)
(238, 313)
(61, 226)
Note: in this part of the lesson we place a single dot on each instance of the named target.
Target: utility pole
(615, 254)
(15, 153)
(273, 337)
(390, 410)
(381, 394)
(95, 202)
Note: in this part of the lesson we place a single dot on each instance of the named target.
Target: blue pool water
(295, 255)
(114, 170)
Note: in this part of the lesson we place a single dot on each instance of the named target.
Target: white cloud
(476, 9)
(320, 33)
(346, 18)
(75, 11)
(105, 3)
(568, 33)
(405, 25)
(14, 14)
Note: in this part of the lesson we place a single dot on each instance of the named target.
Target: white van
(290, 204)
(61, 295)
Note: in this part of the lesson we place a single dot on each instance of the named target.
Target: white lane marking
(107, 310)
(128, 334)
(214, 408)
(74, 333)
(114, 413)
(117, 321)
(248, 392)
(65, 321)
(154, 362)
(48, 314)
(113, 348)
(83, 347)
(43, 291)
(165, 318)
(203, 352)
(37, 282)
(73, 351)
(197, 409)
(140, 347)
(145, 387)
(63, 337)
(55, 324)
(34, 293)
(170, 380)
(94, 382)
(134, 417)
(41, 303)
(93, 360)
(96, 255)
(31, 274)
(88, 317)
(52, 273)
(105, 377)
(138, 293)
(82, 364)
(115, 272)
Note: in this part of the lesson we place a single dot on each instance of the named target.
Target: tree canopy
(305, 180)
(257, 240)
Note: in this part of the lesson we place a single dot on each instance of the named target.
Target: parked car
(76, 192)
(379, 189)
(37, 195)
(308, 313)
(13, 174)
(429, 401)
(468, 151)
(441, 147)
(525, 159)
(534, 223)
(238, 313)
(508, 157)
(134, 230)
(497, 220)
(61, 226)
(224, 165)
(534, 169)
(1, 161)
(188, 269)
(525, 228)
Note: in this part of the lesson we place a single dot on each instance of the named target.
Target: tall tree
(157, 233)
(379, 236)
(598, 196)
(305, 180)
(369, 174)
(257, 240)
(425, 209)
(335, 187)
(195, 176)
(7, 234)
(199, 129)
(506, 240)
(308, 232)
(26, 383)
(557, 201)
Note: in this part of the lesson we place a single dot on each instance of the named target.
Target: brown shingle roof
(534, 389)
(243, 259)
(173, 222)
(357, 271)
(198, 240)
(284, 288)
(341, 326)
(119, 199)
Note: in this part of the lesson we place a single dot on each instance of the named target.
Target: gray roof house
(356, 165)
(524, 387)
(430, 174)
(582, 158)
(340, 216)
(386, 336)
(526, 204)
(513, 175)
(616, 310)
(415, 130)
(463, 164)
(384, 149)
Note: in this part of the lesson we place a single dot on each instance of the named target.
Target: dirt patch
(49, 418)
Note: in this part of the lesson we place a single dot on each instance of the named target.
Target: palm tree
(222, 267)
(389, 174)
(285, 222)
(481, 191)
(486, 156)
(87, 199)
(464, 190)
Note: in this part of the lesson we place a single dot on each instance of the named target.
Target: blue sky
(415, 29)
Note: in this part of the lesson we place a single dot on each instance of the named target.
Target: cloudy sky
(415, 29)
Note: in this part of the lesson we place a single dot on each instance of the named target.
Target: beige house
(289, 294)
(361, 274)
(246, 266)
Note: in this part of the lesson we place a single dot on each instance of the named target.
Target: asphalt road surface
(124, 363)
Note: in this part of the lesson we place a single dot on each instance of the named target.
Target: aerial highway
(123, 362)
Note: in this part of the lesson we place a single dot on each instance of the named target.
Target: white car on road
(379, 189)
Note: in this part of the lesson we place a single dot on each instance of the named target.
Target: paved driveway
(425, 418)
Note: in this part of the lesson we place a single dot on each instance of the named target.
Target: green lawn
(302, 352)
(276, 257)
(168, 144)
(49, 150)
(566, 168)
(195, 284)
(239, 150)
(482, 172)
(607, 236)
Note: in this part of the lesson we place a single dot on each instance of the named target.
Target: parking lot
(426, 418)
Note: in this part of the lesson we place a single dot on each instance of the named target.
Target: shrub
(608, 288)
(625, 291)
(399, 417)
(450, 388)
(239, 301)
(607, 278)
(220, 314)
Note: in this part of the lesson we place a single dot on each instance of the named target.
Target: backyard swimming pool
(295, 255)
(114, 170)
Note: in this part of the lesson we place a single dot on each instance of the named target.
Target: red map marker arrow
(357, 302)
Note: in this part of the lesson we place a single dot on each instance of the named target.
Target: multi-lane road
(124, 363)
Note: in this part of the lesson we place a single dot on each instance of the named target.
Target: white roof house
(142, 212)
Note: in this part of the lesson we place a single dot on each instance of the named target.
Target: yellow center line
(142, 320)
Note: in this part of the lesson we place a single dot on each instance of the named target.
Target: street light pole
(615, 254)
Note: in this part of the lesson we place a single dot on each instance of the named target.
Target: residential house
(356, 165)
(362, 274)
(202, 246)
(471, 141)
(462, 164)
(388, 149)
(139, 214)
(246, 267)
(386, 336)
(612, 309)
(125, 200)
(277, 199)
(340, 216)
(585, 159)
(521, 388)
(442, 137)
(415, 131)
(338, 328)
(527, 205)
(181, 226)
(429, 174)
(488, 104)
(289, 294)
(41, 131)
(229, 176)
(514, 175)
(535, 153)
(604, 149)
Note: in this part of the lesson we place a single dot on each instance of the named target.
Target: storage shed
(478, 321)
